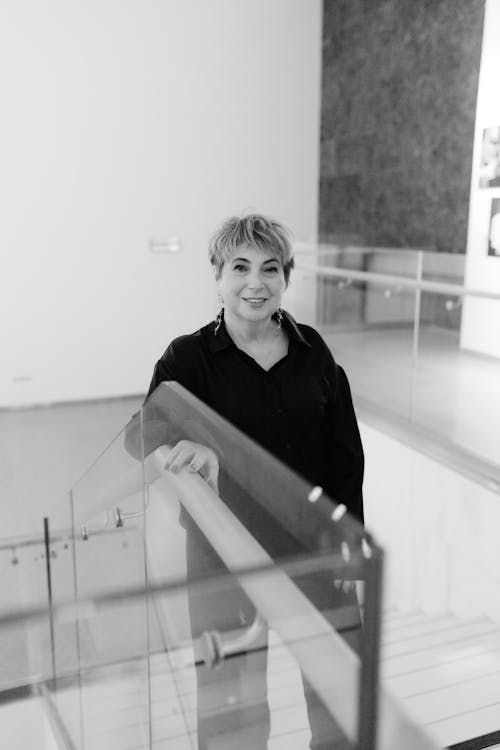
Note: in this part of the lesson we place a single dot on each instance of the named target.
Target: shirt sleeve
(175, 364)
(345, 442)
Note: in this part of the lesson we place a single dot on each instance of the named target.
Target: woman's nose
(254, 280)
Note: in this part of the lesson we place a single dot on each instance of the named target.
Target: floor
(115, 707)
(446, 671)
(44, 453)
(442, 669)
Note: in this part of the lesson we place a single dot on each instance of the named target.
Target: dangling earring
(279, 317)
(219, 316)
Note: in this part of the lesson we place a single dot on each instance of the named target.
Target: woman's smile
(251, 284)
(255, 300)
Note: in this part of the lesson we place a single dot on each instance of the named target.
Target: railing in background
(393, 319)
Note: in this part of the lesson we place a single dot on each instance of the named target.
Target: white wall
(124, 120)
(481, 318)
(438, 529)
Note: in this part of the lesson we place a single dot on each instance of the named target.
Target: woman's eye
(239, 267)
(272, 269)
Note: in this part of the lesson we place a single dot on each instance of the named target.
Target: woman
(277, 381)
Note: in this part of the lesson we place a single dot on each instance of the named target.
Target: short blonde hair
(253, 230)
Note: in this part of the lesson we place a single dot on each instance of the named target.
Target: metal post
(370, 652)
(416, 332)
(49, 591)
(145, 501)
(77, 620)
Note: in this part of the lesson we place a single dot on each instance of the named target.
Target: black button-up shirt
(300, 410)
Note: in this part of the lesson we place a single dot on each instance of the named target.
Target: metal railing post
(49, 592)
(416, 333)
(370, 651)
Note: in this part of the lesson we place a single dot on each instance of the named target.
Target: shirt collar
(221, 340)
(293, 330)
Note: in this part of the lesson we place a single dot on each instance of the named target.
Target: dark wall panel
(398, 108)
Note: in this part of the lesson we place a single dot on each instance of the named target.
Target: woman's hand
(196, 458)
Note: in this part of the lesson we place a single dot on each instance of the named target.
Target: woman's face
(251, 284)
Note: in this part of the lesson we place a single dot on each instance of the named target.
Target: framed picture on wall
(494, 233)
(489, 171)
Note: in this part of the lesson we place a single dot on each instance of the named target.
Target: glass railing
(180, 613)
(429, 411)
(395, 320)
(285, 653)
(97, 539)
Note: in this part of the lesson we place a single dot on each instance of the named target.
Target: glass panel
(110, 556)
(314, 297)
(391, 261)
(439, 527)
(448, 268)
(265, 636)
(263, 512)
(64, 669)
(239, 681)
(97, 546)
(24, 646)
(369, 328)
(457, 392)
(270, 500)
(441, 627)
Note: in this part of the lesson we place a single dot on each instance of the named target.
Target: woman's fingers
(196, 463)
(171, 455)
(196, 458)
(212, 475)
(180, 455)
